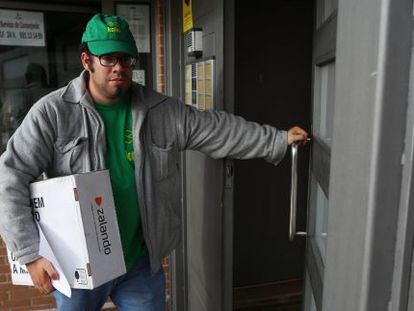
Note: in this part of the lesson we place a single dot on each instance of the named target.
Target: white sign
(138, 76)
(22, 28)
(138, 18)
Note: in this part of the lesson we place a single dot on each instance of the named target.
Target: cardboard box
(77, 219)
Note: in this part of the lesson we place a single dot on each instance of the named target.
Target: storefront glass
(39, 52)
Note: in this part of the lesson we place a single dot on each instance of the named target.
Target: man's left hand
(297, 135)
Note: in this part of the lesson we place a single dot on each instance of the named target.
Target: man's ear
(86, 60)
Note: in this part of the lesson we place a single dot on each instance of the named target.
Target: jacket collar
(76, 93)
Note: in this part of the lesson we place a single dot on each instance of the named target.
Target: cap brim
(108, 46)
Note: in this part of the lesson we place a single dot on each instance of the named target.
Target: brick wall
(16, 298)
(159, 42)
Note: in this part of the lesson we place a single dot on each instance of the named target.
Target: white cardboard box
(77, 216)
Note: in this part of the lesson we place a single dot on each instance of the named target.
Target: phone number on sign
(30, 35)
(22, 35)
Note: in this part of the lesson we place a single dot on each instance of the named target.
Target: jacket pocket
(68, 155)
(165, 160)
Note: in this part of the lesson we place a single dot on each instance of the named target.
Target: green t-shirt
(119, 159)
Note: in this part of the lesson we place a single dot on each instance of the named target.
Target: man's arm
(29, 152)
(220, 134)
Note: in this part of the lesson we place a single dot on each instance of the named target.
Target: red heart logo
(98, 200)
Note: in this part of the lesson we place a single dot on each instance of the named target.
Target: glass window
(309, 301)
(39, 52)
(323, 109)
(325, 10)
(321, 224)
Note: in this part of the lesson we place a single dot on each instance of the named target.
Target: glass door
(322, 125)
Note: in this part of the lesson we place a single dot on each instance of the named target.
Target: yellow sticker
(187, 15)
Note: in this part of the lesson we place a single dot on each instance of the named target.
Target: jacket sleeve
(28, 154)
(220, 134)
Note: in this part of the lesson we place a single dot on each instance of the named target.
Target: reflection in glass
(309, 301)
(325, 10)
(30, 72)
(321, 223)
(323, 107)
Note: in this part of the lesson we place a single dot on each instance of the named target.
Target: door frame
(403, 279)
(228, 199)
(174, 77)
(372, 76)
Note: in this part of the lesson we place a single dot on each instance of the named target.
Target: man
(103, 120)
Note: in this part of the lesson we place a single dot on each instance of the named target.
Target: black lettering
(106, 244)
(104, 235)
(15, 269)
(103, 229)
(101, 219)
(36, 216)
(23, 271)
(37, 202)
(6, 24)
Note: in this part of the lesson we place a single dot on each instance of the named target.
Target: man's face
(107, 84)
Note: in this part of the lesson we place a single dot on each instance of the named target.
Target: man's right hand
(42, 272)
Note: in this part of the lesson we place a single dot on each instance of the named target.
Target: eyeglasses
(111, 60)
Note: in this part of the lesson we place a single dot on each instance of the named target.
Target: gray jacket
(63, 134)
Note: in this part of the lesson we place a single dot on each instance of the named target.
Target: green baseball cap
(106, 34)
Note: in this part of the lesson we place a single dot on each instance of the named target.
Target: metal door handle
(293, 195)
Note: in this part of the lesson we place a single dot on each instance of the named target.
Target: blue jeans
(136, 290)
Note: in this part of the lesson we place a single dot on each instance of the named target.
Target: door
(272, 85)
(322, 125)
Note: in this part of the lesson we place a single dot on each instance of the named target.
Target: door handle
(294, 195)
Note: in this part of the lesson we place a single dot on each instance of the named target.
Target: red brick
(17, 303)
(6, 286)
(5, 268)
(4, 295)
(4, 277)
(45, 300)
(22, 309)
(4, 260)
(24, 292)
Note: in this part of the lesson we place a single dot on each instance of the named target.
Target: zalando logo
(103, 230)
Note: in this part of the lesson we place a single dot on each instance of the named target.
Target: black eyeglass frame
(134, 60)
